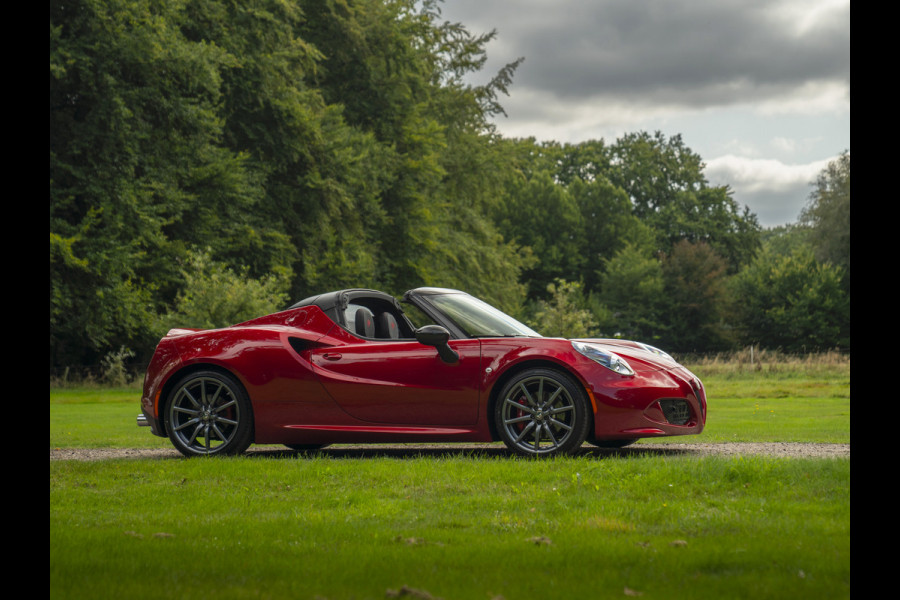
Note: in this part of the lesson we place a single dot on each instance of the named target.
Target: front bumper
(659, 403)
(145, 420)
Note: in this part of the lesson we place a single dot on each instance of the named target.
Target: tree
(784, 239)
(328, 143)
(827, 214)
(560, 204)
(606, 224)
(695, 292)
(137, 169)
(397, 74)
(216, 296)
(544, 216)
(665, 182)
(792, 302)
(632, 290)
(563, 314)
(321, 177)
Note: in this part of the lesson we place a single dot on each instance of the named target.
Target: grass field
(464, 525)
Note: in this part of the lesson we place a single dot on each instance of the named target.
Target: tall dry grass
(760, 360)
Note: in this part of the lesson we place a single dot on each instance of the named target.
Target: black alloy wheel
(208, 413)
(542, 412)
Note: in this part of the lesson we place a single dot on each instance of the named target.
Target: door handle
(332, 356)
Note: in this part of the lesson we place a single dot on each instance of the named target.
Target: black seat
(364, 322)
(386, 326)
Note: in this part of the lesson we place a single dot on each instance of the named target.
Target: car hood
(633, 352)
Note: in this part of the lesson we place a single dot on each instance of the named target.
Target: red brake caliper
(521, 413)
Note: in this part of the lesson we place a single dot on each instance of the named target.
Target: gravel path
(782, 449)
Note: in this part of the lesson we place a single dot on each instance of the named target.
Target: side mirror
(437, 336)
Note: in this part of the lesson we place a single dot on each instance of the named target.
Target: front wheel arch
(542, 412)
(524, 366)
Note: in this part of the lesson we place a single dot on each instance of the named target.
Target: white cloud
(761, 174)
(803, 16)
(543, 115)
(809, 98)
(776, 192)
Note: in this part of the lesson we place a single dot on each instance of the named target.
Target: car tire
(208, 413)
(542, 412)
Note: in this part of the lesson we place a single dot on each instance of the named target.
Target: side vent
(300, 345)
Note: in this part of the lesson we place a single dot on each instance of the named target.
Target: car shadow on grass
(413, 451)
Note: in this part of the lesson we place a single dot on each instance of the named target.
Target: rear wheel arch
(208, 412)
(176, 377)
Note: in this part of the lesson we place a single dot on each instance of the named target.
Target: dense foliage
(211, 160)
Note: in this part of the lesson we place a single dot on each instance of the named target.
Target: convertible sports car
(351, 367)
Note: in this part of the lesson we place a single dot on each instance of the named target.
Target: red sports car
(351, 367)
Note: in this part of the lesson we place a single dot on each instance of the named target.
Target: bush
(793, 303)
(564, 314)
(113, 367)
(214, 296)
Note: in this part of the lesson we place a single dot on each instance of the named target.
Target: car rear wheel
(208, 413)
(542, 412)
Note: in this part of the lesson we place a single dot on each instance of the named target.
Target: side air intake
(676, 410)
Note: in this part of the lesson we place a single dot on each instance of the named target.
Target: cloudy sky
(760, 89)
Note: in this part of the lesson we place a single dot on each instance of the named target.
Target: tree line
(214, 160)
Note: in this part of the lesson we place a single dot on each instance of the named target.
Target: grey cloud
(677, 52)
(774, 208)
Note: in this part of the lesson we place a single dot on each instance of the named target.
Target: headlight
(656, 351)
(611, 361)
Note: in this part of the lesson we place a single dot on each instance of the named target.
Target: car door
(403, 382)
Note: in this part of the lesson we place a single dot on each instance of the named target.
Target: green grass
(464, 525)
(94, 417)
(779, 402)
(456, 527)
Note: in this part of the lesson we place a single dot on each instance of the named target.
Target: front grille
(676, 411)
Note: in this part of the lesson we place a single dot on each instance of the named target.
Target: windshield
(479, 319)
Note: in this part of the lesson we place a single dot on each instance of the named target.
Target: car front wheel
(209, 413)
(541, 412)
